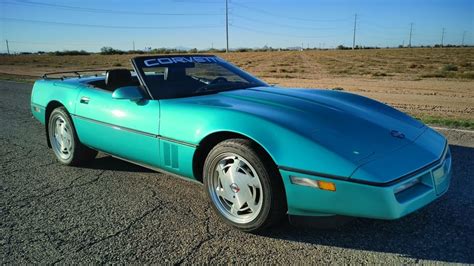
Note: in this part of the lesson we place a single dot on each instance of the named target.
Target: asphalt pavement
(114, 212)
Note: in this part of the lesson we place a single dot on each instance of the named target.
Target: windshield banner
(158, 61)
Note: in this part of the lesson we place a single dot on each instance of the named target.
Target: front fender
(192, 123)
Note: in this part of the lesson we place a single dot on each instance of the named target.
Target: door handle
(84, 100)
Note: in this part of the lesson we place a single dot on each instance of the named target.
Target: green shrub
(449, 67)
(71, 52)
(110, 50)
(467, 75)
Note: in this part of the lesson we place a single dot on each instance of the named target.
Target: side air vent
(170, 154)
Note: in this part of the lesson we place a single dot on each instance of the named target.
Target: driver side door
(121, 127)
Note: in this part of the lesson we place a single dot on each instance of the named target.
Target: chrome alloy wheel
(62, 138)
(235, 188)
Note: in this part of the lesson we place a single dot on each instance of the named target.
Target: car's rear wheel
(64, 141)
(244, 188)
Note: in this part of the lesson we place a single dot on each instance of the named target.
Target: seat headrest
(174, 73)
(117, 78)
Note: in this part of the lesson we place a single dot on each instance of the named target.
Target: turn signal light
(326, 185)
(303, 181)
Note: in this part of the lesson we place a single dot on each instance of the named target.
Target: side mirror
(131, 93)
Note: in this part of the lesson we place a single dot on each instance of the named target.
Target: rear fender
(50, 94)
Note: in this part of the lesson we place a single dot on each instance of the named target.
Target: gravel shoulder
(115, 212)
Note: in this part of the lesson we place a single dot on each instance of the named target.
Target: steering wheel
(215, 81)
(219, 80)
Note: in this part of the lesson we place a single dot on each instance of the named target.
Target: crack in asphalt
(124, 230)
(207, 238)
(29, 168)
(17, 142)
(5, 154)
(70, 186)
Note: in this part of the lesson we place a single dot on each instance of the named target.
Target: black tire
(273, 207)
(78, 153)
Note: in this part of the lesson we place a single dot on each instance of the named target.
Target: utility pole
(133, 45)
(442, 38)
(354, 37)
(8, 48)
(227, 25)
(411, 29)
(463, 36)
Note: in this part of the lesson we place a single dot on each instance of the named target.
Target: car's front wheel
(64, 141)
(244, 187)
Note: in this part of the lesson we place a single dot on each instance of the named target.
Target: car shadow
(107, 162)
(442, 231)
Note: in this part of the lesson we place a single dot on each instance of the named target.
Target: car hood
(352, 126)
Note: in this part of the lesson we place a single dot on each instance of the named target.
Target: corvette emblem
(397, 134)
(234, 187)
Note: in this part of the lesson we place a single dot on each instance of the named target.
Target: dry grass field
(435, 85)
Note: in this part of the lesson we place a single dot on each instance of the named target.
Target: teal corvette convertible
(261, 152)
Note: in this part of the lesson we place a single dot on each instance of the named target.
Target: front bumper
(371, 201)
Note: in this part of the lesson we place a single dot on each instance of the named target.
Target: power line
(198, 2)
(286, 17)
(106, 11)
(42, 43)
(66, 46)
(109, 26)
(374, 27)
(280, 25)
(361, 35)
(68, 43)
(278, 34)
(362, 20)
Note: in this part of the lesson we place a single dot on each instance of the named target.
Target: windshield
(183, 76)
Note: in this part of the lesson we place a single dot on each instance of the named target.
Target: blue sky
(32, 25)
